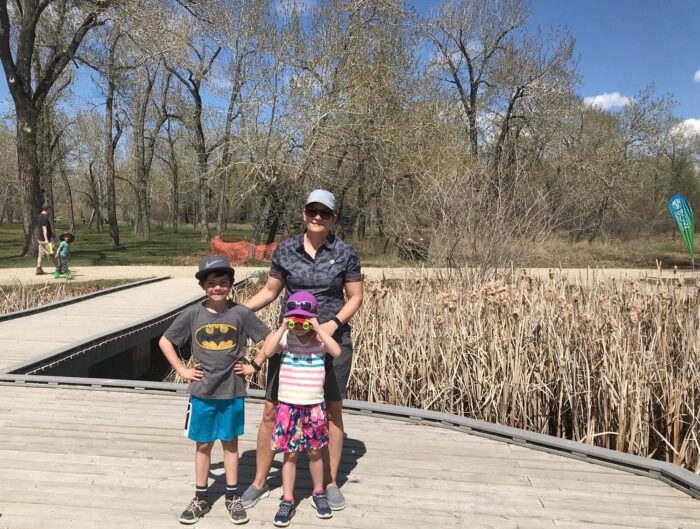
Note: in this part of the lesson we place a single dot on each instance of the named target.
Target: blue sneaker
(323, 510)
(284, 514)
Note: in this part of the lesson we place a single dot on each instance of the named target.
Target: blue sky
(626, 45)
(623, 46)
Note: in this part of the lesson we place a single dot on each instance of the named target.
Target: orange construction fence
(240, 252)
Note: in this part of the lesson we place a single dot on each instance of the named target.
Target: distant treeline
(461, 126)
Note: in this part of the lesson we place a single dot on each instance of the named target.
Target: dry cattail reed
(605, 362)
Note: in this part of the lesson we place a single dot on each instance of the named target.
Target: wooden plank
(76, 322)
(111, 458)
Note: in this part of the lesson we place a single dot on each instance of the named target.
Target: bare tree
(191, 76)
(29, 94)
(470, 37)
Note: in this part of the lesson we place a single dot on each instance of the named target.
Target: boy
(62, 254)
(218, 330)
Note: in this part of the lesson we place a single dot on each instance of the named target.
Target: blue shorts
(210, 419)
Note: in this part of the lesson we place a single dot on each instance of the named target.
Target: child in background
(218, 330)
(300, 420)
(62, 254)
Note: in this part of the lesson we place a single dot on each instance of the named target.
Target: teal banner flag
(682, 213)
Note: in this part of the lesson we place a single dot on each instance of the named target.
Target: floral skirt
(299, 427)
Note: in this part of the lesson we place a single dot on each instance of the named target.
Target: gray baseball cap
(321, 196)
(213, 263)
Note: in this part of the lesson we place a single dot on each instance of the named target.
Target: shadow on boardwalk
(353, 450)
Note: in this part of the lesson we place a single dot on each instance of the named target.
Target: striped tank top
(302, 370)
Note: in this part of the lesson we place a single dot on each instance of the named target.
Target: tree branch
(59, 61)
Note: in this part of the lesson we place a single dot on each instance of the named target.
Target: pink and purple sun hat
(301, 304)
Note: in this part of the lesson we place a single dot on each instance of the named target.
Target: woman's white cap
(321, 196)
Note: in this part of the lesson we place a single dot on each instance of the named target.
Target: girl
(300, 418)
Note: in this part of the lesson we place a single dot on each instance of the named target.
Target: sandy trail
(91, 273)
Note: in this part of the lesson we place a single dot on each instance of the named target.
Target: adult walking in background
(44, 235)
(315, 261)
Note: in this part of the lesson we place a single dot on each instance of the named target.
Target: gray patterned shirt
(336, 263)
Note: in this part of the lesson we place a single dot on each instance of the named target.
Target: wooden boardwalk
(85, 458)
(39, 335)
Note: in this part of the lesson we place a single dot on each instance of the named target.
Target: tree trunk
(174, 210)
(224, 177)
(69, 196)
(141, 226)
(4, 204)
(110, 146)
(222, 202)
(96, 198)
(174, 171)
(29, 177)
(263, 218)
(202, 160)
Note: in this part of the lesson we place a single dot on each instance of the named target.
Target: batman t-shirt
(218, 341)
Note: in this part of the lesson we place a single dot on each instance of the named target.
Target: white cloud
(696, 77)
(688, 127)
(607, 101)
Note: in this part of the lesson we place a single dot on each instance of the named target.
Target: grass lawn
(91, 248)
(643, 252)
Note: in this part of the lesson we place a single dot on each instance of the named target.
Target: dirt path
(92, 273)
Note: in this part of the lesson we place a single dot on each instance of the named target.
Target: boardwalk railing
(78, 299)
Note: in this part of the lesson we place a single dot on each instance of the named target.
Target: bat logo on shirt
(216, 336)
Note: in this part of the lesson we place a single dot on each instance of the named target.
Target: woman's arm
(270, 347)
(354, 294)
(332, 347)
(266, 295)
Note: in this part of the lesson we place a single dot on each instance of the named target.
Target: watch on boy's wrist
(337, 321)
(255, 365)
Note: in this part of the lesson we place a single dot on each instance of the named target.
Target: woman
(318, 262)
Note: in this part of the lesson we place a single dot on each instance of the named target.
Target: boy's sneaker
(336, 500)
(40, 271)
(284, 514)
(57, 275)
(236, 512)
(195, 510)
(69, 275)
(323, 510)
(253, 495)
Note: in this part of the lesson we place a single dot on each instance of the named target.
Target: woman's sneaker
(251, 495)
(236, 512)
(197, 508)
(284, 514)
(323, 510)
(336, 500)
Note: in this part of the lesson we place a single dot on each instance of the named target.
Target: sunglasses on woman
(303, 305)
(313, 212)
